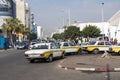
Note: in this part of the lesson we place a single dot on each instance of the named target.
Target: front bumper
(34, 57)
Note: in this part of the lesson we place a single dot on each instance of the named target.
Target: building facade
(110, 28)
(114, 28)
(6, 10)
(15, 9)
(39, 32)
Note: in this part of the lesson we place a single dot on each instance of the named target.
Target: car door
(68, 49)
(103, 46)
(56, 50)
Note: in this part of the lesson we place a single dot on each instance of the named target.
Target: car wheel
(96, 51)
(50, 58)
(32, 61)
(79, 52)
(119, 53)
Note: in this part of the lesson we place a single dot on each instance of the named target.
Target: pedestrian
(111, 41)
(5, 45)
(79, 42)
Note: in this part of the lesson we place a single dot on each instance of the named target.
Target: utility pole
(69, 18)
(102, 15)
(102, 12)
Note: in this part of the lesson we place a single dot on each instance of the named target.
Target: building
(114, 28)
(22, 12)
(15, 9)
(27, 16)
(39, 32)
(33, 27)
(103, 26)
(110, 28)
(6, 10)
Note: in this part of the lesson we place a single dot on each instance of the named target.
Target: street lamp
(69, 18)
(102, 12)
(102, 15)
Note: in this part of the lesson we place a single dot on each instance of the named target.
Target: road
(13, 66)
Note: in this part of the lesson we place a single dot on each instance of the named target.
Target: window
(101, 43)
(65, 44)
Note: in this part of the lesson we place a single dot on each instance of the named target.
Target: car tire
(50, 58)
(119, 53)
(79, 52)
(96, 51)
(32, 61)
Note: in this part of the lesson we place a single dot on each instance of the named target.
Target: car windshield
(41, 47)
(21, 44)
(92, 42)
(107, 43)
(72, 44)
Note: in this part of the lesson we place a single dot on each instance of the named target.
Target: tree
(72, 32)
(58, 36)
(91, 31)
(32, 36)
(26, 32)
(12, 26)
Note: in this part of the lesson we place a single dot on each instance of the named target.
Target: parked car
(115, 49)
(33, 42)
(21, 45)
(46, 51)
(97, 46)
(70, 47)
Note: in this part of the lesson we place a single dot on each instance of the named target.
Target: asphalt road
(13, 66)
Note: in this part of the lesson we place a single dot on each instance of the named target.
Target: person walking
(5, 45)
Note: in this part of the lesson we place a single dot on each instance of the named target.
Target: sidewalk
(91, 62)
(7, 49)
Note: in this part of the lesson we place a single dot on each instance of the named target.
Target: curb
(89, 69)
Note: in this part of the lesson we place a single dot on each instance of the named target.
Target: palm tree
(10, 27)
(26, 32)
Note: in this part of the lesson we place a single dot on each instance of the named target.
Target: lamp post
(69, 17)
(102, 12)
(102, 15)
(63, 19)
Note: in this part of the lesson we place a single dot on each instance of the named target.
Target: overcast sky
(53, 14)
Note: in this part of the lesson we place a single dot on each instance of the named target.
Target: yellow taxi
(97, 47)
(115, 49)
(46, 51)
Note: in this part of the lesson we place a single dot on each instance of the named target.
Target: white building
(20, 10)
(103, 26)
(110, 28)
(23, 12)
(39, 32)
(114, 22)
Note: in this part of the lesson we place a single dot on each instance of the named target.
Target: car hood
(40, 51)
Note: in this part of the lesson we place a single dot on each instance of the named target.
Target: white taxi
(115, 49)
(70, 47)
(97, 47)
(46, 51)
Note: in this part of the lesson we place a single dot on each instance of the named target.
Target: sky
(53, 14)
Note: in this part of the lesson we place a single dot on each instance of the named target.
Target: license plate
(33, 55)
